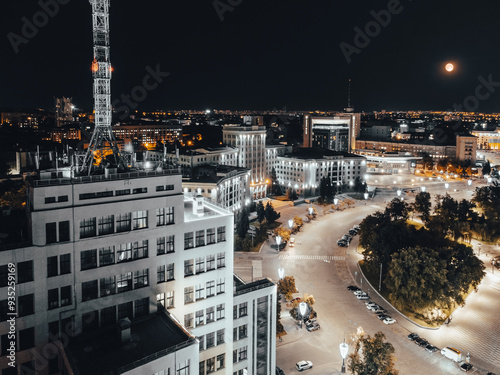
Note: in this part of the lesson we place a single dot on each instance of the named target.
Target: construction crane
(103, 150)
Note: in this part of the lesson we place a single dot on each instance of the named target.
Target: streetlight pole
(278, 242)
(344, 348)
(380, 280)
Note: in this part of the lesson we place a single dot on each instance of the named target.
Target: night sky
(265, 54)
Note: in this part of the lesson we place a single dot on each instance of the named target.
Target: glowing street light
(366, 195)
(281, 273)
(422, 189)
(399, 192)
(278, 242)
(469, 182)
(344, 348)
(290, 223)
(446, 186)
(335, 201)
(311, 210)
(489, 180)
(303, 308)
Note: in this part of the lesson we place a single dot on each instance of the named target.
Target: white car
(389, 320)
(370, 304)
(362, 296)
(358, 292)
(304, 365)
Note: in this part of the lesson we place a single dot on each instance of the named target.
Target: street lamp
(493, 265)
(311, 210)
(290, 223)
(278, 242)
(446, 186)
(489, 180)
(344, 348)
(335, 201)
(422, 189)
(281, 273)
(399, 192)
(366, 195)
(302, 310)
(469, 182)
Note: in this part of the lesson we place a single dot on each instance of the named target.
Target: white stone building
(108, 248)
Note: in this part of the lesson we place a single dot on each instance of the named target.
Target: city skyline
(258, 55)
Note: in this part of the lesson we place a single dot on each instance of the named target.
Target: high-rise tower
(102, 151)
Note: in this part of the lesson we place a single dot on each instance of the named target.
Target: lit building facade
(304, 170)
(251, 144)
(336, 133)
(124, 246)
(149, 134)
(487, 140)
(466, 148)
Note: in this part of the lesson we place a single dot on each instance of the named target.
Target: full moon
(449, 67)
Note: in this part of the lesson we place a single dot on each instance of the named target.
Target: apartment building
(125, 253)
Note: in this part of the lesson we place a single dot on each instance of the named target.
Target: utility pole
(380, 280)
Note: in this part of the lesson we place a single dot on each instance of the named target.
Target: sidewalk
(293, 331)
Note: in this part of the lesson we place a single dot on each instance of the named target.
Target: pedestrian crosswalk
(311, 257)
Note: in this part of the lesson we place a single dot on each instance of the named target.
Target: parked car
(292, 242)
(369, 304)
(303, 365)
(359, 291)
(310, 322)
(279, 371)
(342, 243)
(352, 288)
(431, 348)
(466, 367)
(362, 296)
(346, 237)
(352, 232)
(421, 342)
(357, 227)
(382, 316)
(389, 320)
(313, 327)
(379, 310)
(412, 336)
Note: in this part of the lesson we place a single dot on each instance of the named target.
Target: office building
(336, 133)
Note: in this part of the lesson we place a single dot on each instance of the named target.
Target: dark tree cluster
(326, 190)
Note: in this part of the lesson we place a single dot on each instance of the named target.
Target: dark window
(188, 240)
(53, 298)
(4, 310)
(221, 312)
(160, 216)
(160, 246)
(170, 248)
(24, 272)
(141, 307)
(4, 276)
(125, 310)
(123, 222)
(243, 331)
(87, 196)
(221, 234)
(170, 272)
(63, 231)
(169, 187)
(140, 249)
(210, 262)
(108, 286)
(210, 313)
(106, 225)
(108, 316)
(140, 219)
(50, 200)
(200, 238)
(5, 343)
(51, 232)
(210, 236)
(124, 282)
(220, 336)
(52, 269)
(141, 278)
(221, 260)
(200, 265)
(160, 188)
(243, 309)
(88, 259)
(26, 305)
(140, 190)
(124, 253)
(188, 294)
(89, 290)
(87, 228)
(122, 192)
(220, 360)
(188, 267)
(169, 215)
(62, 198)
(54, 330)
(106, 256)
(210, 288)
(26, 338)
(90, 321)
(210, 339)
(160, 274)
(104, 194)
(65, 264)
(66, 296)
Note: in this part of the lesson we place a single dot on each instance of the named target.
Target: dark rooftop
(102, 352)
(214, 173)
(320, 153)
(249, 287)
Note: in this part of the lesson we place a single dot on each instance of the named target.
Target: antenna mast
(103, 150)
(349, 108)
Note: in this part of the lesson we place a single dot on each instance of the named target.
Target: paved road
(474, 328)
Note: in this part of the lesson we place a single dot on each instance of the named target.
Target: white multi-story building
(123, 246)
(304, 169)
(272, 153)
(487, 139)
(337, 133)
(189, 159)
(251, 144)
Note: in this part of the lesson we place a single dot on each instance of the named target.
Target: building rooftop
(102, 352)
(214, 173)
(250, 287)
(319, 153)
(209, 209)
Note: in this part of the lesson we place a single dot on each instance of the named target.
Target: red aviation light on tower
(95, 66)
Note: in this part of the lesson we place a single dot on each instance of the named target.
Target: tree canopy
(270, 214)
(372, 356)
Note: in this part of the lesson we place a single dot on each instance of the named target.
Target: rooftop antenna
(349, 108)
(103, 150)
